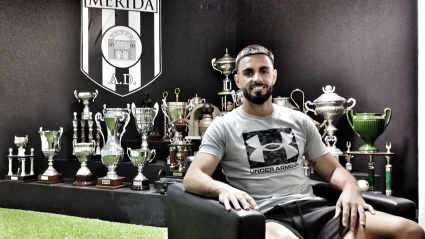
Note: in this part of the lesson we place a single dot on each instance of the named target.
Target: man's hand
(350, 203)
(235, 196)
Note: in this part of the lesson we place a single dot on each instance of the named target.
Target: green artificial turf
(28, 224)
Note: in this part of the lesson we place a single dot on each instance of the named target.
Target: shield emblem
(121, 43)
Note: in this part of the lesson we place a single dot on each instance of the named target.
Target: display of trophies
(86, 117)
(50, 145)
(83, 151)
(139, 158)
(330, 105)
(195, 108)
(21, 175)
(112, 153)
(369, 126)
(226, 66)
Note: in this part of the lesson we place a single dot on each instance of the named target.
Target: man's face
(256, 77)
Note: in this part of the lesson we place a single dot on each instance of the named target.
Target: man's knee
(412, 230)
(277, 231)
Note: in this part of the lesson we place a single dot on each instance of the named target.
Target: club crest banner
(121, 43)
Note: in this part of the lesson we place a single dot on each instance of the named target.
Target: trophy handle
(213, 66)
(350, 107)
(349, 115)
(128, 108)
(93, 147)
(295, 101)
(95, 94)
(133, 109)
(126, 123)
(156, 108)
(76, 95)
(152, 155)
(128, 152)
(308, 109)
(104, 109)
(164, 109)
(387, 115)
(97, 118)
(73, 143)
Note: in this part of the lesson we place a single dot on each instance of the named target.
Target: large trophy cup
(369, 126)
(21, 175)
(330, 105)
(50, 145)
(85, 97)
(145, 119)
(112, 153)
(83, 151)
(139, 158)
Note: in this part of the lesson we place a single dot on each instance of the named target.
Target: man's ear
(274, 76)
(236, 77)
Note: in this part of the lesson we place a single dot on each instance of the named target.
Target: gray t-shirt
(263, 155)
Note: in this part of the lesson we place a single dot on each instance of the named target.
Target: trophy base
(47, 179)
(140, 185)
(20, 179)
(83, 180)
(177, 173)
(111, 184)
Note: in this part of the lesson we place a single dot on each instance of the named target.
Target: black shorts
(312, 219)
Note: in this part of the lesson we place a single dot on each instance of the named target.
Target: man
(260, 147)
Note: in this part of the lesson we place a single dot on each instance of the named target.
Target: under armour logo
(271, 147)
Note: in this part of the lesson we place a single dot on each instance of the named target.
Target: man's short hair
(253, 50)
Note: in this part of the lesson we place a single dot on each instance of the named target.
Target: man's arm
(350, 201)
(198, 181)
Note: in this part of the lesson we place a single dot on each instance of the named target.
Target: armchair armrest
(393, 205)
(189, 216)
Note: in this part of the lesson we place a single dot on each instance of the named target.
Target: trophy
(123, 113)
(83, 151)
(330, 105)
(140, 157)
(50, 145)
(207, 118)
(369, 126)
(145, 119)
(237, 97)
(112, 153)
(21, 175)
(85, 97)
(226, 66)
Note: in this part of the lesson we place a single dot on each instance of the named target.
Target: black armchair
(192, 216)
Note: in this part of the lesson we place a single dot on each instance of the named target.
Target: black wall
(366, 49)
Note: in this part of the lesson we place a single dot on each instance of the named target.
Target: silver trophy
(139, 158)
(85, 97)
(330, 105)
(50, 145)
(21, 175)
(122, 113)
(112, 153)
(145, 119)
(83, 151)
(226, 66)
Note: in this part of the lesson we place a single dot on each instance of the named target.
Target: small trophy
(139, 158)
(21, 175)
(112, 153)
(50, 145)
(83, 151)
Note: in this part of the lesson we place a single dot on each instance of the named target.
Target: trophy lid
(226, 59)
(329, 95)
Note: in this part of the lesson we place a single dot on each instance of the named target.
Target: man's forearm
(202, 184)
(341, 178)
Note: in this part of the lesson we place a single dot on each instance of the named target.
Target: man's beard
(258, 98)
